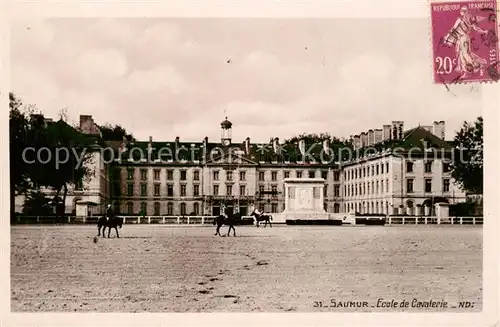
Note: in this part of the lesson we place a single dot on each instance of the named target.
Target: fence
(428, 220)
(172, 220)
(247, 220)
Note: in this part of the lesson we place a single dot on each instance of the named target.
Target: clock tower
(225, 132)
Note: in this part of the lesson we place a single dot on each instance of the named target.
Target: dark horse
(261, 217)
(230, 221)
(103, 222)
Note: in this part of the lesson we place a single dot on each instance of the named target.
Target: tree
(467, 165)
(67, 153)
(115, 133)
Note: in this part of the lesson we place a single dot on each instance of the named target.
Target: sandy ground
(158, 268)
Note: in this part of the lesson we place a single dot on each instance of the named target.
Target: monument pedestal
(304, 201)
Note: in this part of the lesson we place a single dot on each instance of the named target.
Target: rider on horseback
(109, 212)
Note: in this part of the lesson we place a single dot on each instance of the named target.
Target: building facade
(382, 171)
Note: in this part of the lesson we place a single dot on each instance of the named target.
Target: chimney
(247, 146)
(150, 146)
(276, 145)
(176, 143)
(326, 146)
(371, 137)
(386, 132)
(302, 146)
(204, 151)
(87, 125)
(364, 139)
(378, 137)
(439, 130)
(397, 129)
(357, 142)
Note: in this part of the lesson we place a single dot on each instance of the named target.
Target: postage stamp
(465, 41)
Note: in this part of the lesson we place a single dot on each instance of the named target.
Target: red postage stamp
(465, 41)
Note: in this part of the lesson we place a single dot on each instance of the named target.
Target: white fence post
(403, 220)
(202, 220)
(178, 220)
(149, 220)
(163, 220)
(461, 220)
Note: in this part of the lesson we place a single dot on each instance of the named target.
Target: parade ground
(157, 268)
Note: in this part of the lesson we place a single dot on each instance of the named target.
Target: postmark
(465, 41)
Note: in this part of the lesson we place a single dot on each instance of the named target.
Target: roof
(271, 153)
(226, 124)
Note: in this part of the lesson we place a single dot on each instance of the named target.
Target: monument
(304, 200)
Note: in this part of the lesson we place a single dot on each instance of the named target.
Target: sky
(271, 77)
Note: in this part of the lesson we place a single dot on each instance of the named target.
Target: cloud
(171, 77)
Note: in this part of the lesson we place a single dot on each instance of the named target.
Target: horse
(111, 223)
(262, 217)
(230, 221)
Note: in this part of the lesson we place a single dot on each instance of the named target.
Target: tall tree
(467, 166)
(115, 133)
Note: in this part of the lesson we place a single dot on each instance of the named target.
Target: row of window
(427, 185)
(182, 190)
(367, 188)
(229, 174)
(361, 172)
(427, 167)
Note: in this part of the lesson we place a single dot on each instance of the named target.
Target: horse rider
(109, 212)
(223, 209)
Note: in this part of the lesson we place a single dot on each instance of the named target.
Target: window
(409, 185)
(274, 175)
(377, 169)
(196, 190)
(116, 174)
(196, 208)
(183, 190)
(144, 189)
(428, 185)
(130, 190)
(216, 175)
(261, 176)
(377, 187)
(336, 176)
(409, 167)
(373, 187)
(130, 208)
(364, 171)
(229, 175)
(183, 175)
(286, 174)
(446, 167)
(156, 174)
(325, 191)
(229, 189)
(382, 168)
(428, 167)
(274, 207)
(261, 189)
(387, 185)
(312, 174)
(183, 209)
(170, 209)
(446, 185)
(144, 174)
(324, 174)
(242, 175)
(299, 174)
(336, 190)
(116, 207)
(274, 189)
(130, 174)
(157, 189)
(355, 174)
(170, 190)
(170, 175)
(336, 207)
(373, 171)
(144, 208)
(216, 190)
(243, 190)
(196, 175)
(387, 167)
(117, 190)
(157, 208)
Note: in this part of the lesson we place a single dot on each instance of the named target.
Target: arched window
(157, 208)
(183, 209)
(197, 209)
(170, 209)
(336, 208)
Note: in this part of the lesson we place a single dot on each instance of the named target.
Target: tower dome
(226, 124)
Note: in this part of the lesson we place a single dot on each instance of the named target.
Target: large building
(382, 171)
